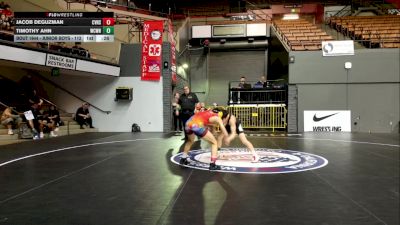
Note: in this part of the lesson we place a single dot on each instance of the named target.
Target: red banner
(151, 50)
(173, 50)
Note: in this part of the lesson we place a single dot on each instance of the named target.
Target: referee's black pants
(185, 115)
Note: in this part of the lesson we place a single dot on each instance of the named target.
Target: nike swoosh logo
(317, 119)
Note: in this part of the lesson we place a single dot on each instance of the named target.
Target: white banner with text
(337, 48)
(327, 121)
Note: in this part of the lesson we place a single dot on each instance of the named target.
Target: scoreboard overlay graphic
(64, 27)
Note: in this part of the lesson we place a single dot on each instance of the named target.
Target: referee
(187, 101)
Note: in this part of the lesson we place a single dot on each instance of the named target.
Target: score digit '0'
(108, 21)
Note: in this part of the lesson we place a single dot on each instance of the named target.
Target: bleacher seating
(6, 33)
(300, 34)
(372, 31)
(6, 25)
(70, 127)
(10, 95)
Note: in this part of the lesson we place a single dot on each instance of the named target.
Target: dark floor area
(128, 178)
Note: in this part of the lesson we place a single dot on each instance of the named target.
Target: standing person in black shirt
(27, 86)
(187, 101)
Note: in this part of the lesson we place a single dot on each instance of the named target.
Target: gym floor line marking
(72, 147)
(146, 139)
(53, 181)
(358, 142)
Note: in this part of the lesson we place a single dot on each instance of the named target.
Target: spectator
(27, 86)
(262, 83)
(4, 6)
(41, 122)
(34, 103)
(78, 50)
(34, 99)
(244, 96)
(83, 116)
(4, 22)
(176, 108)
(42, 45)
(243, 84)
(47, 125)
(10, 120)
(54, 116)
(187, 101)
(7, 11)
(35, 121)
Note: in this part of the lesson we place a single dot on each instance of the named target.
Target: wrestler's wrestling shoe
(214, 167)
(255, 158)
(184, 161)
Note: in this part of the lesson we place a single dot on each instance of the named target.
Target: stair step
(70, 123)
(61, 132)
(71, 127)
(67, 118)
(8, 137)
(3, 131)
(73, 131)
(76, 131)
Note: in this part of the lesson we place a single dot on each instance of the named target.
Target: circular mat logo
(238, 160)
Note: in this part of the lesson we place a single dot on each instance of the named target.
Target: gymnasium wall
(210, 73)
(370, 89)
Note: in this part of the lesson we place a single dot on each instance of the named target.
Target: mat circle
(239, 160)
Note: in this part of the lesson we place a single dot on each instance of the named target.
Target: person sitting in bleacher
(4, 23)
(243, 84)
(54, 116)
(7, 11)
(10, 120)
(262, 83)
(244, 96)
(78, 50)
(6, 16)
(2, 5)
(64, 48)
(46, 124)
(83, 116)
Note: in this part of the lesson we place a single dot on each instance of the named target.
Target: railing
(274, 92)
(6, 106)
(51, 103)
(70, 93)
(21, 113)
(44, 100)
(256, 96)
(269, 116)
(259, 106)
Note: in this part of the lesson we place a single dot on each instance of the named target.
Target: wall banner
(337, 48)
(173, 50)
(151, 50)
(327, 121)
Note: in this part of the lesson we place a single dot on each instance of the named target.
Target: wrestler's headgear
(221, 113)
